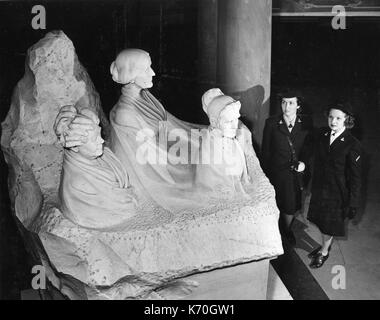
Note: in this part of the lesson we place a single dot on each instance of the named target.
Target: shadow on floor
(294, 273)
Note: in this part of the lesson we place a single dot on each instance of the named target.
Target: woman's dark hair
(300, 103)
(349, 122)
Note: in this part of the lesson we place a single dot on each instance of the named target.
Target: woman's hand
(71, 133)
(301, 167)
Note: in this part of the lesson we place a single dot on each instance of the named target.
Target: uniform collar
(338, 133)
(341, 138)
(282, 120)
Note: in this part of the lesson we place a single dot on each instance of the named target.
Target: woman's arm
(354, 163)
(180, 123)
(307, 149)
(308, 144)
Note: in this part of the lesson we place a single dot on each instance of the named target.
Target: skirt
(288, 192)
(328, 216)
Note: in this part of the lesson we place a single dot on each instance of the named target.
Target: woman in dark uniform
(286, 149)
(337, 180)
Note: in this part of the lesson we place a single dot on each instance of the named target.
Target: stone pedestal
(241, 282)
(247, 281)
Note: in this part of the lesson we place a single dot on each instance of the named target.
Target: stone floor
(276, 288)
(356, 258)
(358, 253)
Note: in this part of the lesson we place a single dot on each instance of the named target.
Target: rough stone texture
(53, 78)
(140, 260)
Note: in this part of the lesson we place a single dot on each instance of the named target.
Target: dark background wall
(167, 29)
(327, 64)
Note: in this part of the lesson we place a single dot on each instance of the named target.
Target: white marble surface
(149, 251)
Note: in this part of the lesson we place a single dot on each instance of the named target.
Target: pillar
(207, 42)
(244, 57)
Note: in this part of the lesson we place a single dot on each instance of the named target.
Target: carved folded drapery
(152, 247)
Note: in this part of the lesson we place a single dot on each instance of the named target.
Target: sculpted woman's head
(223, 111)
(209, 95)
(133, 66)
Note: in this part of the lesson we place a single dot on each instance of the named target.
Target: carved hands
(72, 133)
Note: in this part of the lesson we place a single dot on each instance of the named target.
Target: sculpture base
(251, 281)
(247, 281)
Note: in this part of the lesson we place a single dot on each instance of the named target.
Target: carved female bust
(94, 188)
(227, 164)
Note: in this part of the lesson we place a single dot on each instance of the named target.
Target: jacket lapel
(326, 140)
(339, 141)
(298, 124)
(282, 126)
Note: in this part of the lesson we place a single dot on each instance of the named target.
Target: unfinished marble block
(155, 248)
(53, 78)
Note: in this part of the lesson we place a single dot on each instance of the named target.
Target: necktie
(332, 137)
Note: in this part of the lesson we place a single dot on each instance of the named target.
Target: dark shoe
(318, 261)
(312, 254)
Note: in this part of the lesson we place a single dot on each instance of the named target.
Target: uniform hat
(345, 107)
(289, 93)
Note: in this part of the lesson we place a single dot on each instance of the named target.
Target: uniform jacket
(276, 153)
(337, 169)
(336, 181)
(277, 157)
